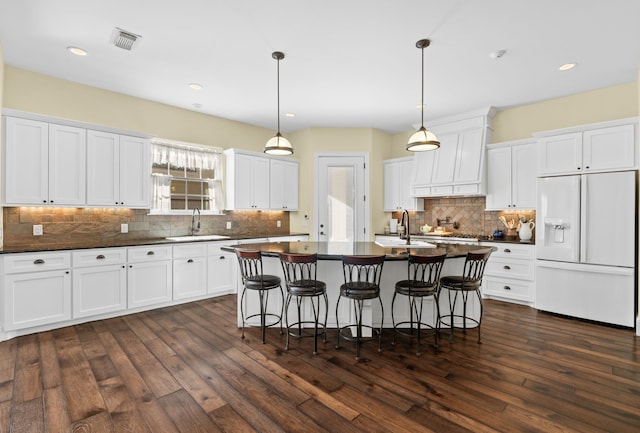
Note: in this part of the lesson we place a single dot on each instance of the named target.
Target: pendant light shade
(422, 139)
(278, 145)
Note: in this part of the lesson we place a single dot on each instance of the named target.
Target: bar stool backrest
(425, 269)
(299, 267)
(250, 262)
(474, 268)
(362, 269)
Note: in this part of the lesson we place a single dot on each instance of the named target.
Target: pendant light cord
(422, 101)
(278, 89)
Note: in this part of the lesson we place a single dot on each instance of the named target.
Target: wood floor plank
(185, 368)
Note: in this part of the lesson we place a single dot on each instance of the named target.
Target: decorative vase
(524, 232)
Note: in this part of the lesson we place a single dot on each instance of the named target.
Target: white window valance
(185, 155)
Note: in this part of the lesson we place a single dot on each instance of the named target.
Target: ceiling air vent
(124, 39)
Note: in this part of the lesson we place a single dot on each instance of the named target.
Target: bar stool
(423, 275)
(253, 279)
(361, 282)
(300, 275)
(469, 281)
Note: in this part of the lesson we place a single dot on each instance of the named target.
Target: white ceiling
(349, 63)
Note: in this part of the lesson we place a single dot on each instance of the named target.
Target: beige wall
(610, 103)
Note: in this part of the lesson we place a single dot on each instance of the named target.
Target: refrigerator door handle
(584, 205)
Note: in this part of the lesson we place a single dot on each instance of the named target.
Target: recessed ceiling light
(567, 66)
(497, 54)
(77, 51)
(195, 86)
(290, 115)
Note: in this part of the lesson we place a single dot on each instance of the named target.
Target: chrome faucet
(195, 225)
(404, 222)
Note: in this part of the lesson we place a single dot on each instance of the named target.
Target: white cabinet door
(103, 171)
(499, 179)
(221, 274)
(444, 162)
(560, 154)
(609, 148)
(99, 289)
(67, 165)
(469, 154)
(26, 156)
(422, 169)
(284, 185)
(523, 176)
(261, 183)
(135, 167)
(189, 277)
(36, 298)
(392, 180)
(243, 182)
(149, 283)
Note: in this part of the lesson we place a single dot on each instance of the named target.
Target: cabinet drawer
(520, 269)
(99, 256)
(512, 251)
(442, 190)
(148, 253)
(189, 250)
(214, 248)
(34, 262)
(422, 191)
(521, 290)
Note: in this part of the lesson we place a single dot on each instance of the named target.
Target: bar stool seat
(470, 281)
(300, 275)
(254, 279)
(361, 282)
(423, 275)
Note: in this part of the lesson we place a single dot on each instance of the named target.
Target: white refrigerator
(586, 246)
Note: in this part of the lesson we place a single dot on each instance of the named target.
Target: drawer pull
(150, 253)
(507, 288)
(100, 257)
(507, 250)
(222, 257)
(38, 262)
(190, 261)
(507, 267)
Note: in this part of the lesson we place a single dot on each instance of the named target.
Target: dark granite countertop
(123, 243)
(335, 250)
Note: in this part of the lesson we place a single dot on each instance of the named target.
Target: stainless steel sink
(402, 243)
(197, 238)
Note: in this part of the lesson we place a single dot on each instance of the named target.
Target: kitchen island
(330, 271)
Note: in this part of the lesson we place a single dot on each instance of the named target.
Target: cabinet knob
(587, 167)
(190, 261)
(150, 253)
(507, 267)
(100, 257)
(507, 288)
(66, 272)
(578, 168)
(130, 266)
(38, 262)
(44, 201)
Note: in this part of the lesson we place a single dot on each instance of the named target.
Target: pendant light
(423, 139)
(278, 145)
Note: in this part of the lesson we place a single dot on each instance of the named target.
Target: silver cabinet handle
(38, 262)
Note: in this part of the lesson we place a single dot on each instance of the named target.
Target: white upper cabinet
(44, 164)
(254, 182)
(457, 167)
(511, 175)
(398, 174)
(601, 147)
(117, 170)
(284, 185)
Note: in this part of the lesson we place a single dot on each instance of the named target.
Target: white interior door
(341, 191)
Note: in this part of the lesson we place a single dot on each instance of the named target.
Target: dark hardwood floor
(185, 369)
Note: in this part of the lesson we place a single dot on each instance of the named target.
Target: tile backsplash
(72, 226)
(468, 213)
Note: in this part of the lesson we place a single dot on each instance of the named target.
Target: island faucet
(404, 222)
(195, 224)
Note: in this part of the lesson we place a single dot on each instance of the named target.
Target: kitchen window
(184, 177)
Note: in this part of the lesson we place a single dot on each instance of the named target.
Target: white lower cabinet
(189, 270)
(149, 276)
(510, 273)
(221, 270)
(36, 289)
(99, 281)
